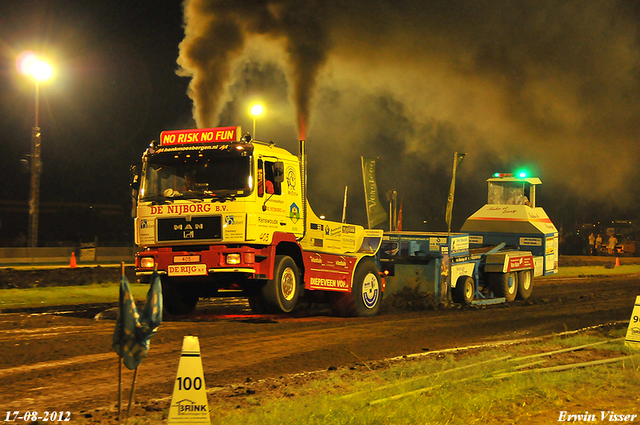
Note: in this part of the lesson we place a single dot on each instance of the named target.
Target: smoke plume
(215, 34)
(551, 86)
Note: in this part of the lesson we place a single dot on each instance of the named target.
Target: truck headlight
(147, 262)
(233, 259)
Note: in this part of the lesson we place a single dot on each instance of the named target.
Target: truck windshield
(196, 174)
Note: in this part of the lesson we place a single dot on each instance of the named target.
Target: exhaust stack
(302, 155)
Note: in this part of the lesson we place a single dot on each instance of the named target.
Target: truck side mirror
(135, 188)
(278, 172)
(135, 177)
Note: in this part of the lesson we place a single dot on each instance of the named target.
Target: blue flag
(133, 332)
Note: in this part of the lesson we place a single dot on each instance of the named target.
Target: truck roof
(530, 180)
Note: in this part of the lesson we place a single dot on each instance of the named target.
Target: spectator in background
(592, 243)
(611, 245)
(598, 244)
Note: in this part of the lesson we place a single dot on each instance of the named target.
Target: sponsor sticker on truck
(187, 270)
(197, 136)
(520, 263)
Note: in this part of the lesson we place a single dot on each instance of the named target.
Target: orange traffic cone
(617, 262)
(73, 264)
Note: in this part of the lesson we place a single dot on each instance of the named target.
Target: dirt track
(64, 362)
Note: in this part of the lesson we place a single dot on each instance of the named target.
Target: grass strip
(507, 374)
(566, 350)
(436, 374)
(567, 366)
(66, 295)
(593, 271)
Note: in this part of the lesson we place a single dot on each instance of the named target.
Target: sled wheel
(525, 284)
(281, 293)
(505, 285)
(464, 291)
(366, 293)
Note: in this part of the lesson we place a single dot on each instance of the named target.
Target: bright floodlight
(257, 110)
(29, 64)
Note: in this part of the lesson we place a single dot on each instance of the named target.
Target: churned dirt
(62, 360)
(64, 276)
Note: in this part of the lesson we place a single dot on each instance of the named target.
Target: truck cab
(219, 215)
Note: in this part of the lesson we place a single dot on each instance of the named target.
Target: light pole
(256, 110)
(29, 64)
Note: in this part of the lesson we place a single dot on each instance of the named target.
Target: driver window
(270, 184)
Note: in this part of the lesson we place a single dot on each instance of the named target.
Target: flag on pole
(399, 221)
(375, 213)
(133, 331)
(457, 158)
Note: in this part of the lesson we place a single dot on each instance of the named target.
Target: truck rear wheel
(525, 284)
(281, 293)
(366, 293)
(176, 298)
(504, 285)
(464, 291)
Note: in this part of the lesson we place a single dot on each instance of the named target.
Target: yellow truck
(219, 214)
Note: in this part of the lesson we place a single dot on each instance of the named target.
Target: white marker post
(633, 332)
(189, 403)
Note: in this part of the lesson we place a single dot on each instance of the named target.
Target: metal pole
(395, 210)
(34, 199)
(37, 102)
(120, 320)
(253, 135)
(344, 205)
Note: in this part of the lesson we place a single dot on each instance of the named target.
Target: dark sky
(550, 86)
(115, 88)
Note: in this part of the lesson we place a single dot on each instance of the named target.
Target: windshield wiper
(156, 199)
(191, 196)
(222, 198)
(194, 196)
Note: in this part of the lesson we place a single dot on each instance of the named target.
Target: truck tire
(366, 293)
(176, 298)
(464, 291)
(281, 293)
(504, 285)
(525, 284)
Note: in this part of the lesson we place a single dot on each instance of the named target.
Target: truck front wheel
(366, 293)
(281, 293)
(504, 285)
(525, 284)
(176, 298)
(257, 304)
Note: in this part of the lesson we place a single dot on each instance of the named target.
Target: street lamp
(29, 64)
(256, 110)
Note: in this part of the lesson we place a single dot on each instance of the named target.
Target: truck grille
(179, 229)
